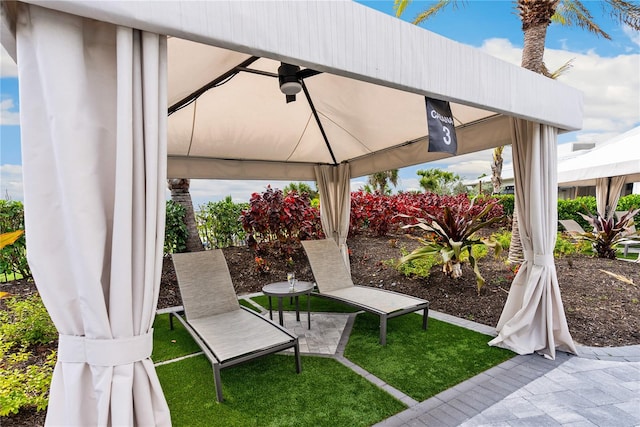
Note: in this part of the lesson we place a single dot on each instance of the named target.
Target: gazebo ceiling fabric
(246, 118)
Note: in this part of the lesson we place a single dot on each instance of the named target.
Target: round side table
(281, 290)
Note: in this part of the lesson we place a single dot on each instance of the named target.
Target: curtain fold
(93, 123)
(607, 194)
(334, 186)
(533, 318)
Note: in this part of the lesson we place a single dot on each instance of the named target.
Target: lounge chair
(334, 281)
(571, 226)
(227, 332)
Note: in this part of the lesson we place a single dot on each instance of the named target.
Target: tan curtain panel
(93, 111)
(607, 194)
(533, 318)
(334, 186)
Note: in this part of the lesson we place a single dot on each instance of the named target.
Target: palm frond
(574, 13)
(563, 69)
(426, 14)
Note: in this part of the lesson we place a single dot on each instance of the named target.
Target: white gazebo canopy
(96, 82)
(607, 167)
(620, 156)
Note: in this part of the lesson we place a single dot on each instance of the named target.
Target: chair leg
(296, 350)
(171, 320)
(383, 330)
(425, 318)
(218, 382)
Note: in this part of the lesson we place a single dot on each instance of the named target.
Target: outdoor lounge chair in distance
(227, 332)
(571, 226)
(334, 281)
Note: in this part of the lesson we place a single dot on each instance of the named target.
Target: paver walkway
(601, 387)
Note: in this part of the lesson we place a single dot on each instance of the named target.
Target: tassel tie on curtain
(104, 352)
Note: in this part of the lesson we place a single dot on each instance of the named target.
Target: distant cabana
(608, 167)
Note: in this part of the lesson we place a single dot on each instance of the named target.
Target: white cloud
(11, 182)
(633, 35)
(7, 116)
(8, 67)
(611, 86)
(213, 190)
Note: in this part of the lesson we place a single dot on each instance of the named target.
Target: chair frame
(384, 316)
(208, 310)
(219, 364)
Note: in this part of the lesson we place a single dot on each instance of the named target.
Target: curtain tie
(104, 352)
(543, 260)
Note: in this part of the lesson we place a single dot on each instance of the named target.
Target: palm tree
(439, 181)
(380, 181)
(496, 169)
(180, 194)
(536, 16)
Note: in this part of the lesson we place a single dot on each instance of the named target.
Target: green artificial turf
(318, 304)
(247, 304)
(268, 392)
(421, 363)
(169, 344)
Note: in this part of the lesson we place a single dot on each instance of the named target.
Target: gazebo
(117, 96)
(607, 167)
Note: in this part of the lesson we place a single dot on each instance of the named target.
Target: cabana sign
(442, 131)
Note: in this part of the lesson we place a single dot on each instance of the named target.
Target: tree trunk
(516, 253)
(536, 17)
(496, 169)
(180, 194)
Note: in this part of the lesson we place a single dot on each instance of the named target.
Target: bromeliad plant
(450, 233)
(607, 232)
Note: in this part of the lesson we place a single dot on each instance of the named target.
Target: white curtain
(93, 120)
(533, 318)
(334, 186)
(607, 194)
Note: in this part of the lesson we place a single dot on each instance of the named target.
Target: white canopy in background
(607, 167)
(619, 156)
(375, 71)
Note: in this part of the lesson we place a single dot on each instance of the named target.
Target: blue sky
(608, 73)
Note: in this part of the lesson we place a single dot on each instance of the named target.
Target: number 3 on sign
(447, 135)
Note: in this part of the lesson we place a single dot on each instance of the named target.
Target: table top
(279, 289)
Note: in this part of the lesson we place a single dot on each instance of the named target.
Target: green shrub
(503, 238)
(23, 382)
(219, 223)
(175, 232)
(507, 201)
(24, 385)
(571, 208)
(631, 201)
(26, 322)
(13, 258)
(419, 267)
(564, 246)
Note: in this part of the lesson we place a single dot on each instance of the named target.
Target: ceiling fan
(291, 78)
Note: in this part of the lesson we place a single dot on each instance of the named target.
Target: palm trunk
(180, 194)
(496, 169)
(516, 253)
